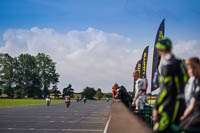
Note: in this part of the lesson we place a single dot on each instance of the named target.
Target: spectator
(191, 116)
(114, 89)
(122, 94)
(140, 87)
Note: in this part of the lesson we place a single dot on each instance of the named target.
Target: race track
(78, 118)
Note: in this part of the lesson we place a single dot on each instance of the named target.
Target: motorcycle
(84, 100)
(67, 101)
(107, 99)
(67, 104)
(78, 99)
(48, 101)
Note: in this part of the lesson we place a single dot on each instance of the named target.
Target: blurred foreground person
(170, 102)
(48, 100)
(140, 90)
(122, 94)
(191, 116)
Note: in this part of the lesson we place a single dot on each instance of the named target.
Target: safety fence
(146, 115)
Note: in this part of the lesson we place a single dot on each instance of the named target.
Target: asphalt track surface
(90, 117)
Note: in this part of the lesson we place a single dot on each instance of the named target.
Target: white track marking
(107, 124)
(55, 117)
(72, 130)
(91, 122)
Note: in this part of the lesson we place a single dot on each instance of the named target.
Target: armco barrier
(123, 121)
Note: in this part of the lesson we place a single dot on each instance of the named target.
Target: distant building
(3, 95)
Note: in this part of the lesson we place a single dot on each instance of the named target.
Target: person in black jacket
(170, 103)
(123, 95)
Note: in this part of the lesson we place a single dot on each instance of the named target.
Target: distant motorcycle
(67, 104)
(48, 101)
(67, 101)
(84, 100)
(107, 99)
(78, 99)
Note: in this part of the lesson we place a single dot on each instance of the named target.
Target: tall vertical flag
(138, 66)
(144, 66)
(156, 57)
(141, 65)
(144, 63)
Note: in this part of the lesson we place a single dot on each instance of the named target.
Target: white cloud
(187, 49)
(86, 58)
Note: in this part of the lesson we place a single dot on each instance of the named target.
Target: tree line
(88, 92)
(35, 77)
(91, 93)
(27, 75)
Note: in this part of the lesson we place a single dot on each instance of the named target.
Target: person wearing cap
(170, 103)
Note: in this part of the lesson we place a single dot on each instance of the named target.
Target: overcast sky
(97, 42)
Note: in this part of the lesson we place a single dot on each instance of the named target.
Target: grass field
(4, 103)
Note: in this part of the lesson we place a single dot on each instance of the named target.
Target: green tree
(55, 91)
(7, 73)
(89, 93)
(108, 95)
(68, 91)
(27, 75)
(47, 72)
(99, 94)
(28, 81)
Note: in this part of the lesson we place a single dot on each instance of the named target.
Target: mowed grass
(4, 103)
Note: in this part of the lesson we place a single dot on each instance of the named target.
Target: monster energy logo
(161, 36)
(144, 65)
(139, 68)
